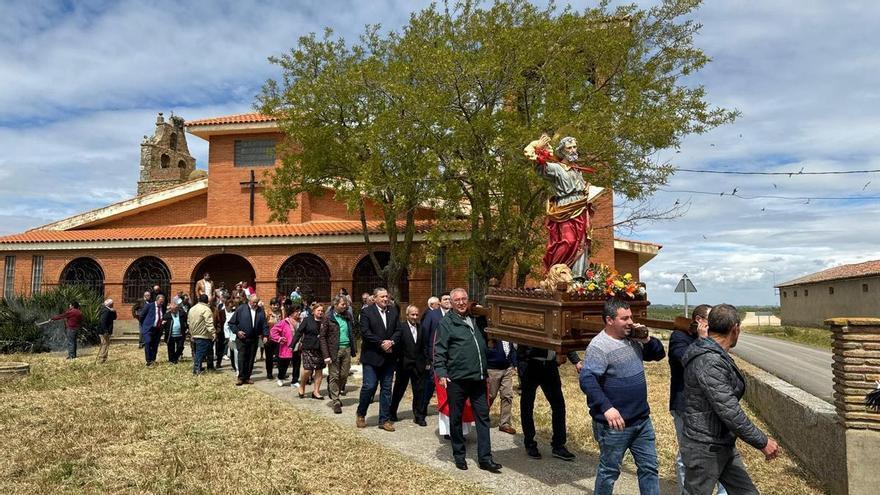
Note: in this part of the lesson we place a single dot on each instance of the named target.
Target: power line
(770, 196)
(790, 174)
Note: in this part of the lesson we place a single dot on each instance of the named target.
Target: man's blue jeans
(613, 444)
(71, 334)
(375, 377)
(202, 347)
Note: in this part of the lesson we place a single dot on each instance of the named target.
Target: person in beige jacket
(201, 329)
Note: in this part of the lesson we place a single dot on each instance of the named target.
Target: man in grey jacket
(713, 419)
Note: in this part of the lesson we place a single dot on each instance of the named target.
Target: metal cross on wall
(252, 187)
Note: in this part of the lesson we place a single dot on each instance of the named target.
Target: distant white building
(846, 290)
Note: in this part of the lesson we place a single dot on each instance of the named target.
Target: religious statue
(558, 277)
(568, 216)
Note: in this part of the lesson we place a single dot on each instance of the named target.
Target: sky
(81, 84)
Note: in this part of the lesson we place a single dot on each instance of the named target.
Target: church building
(185, 222)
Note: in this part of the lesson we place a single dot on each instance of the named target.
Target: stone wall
(856, 371)
(803, 424)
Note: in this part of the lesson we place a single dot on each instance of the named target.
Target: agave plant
(20, 315)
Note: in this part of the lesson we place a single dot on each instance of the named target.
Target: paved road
(805, 367)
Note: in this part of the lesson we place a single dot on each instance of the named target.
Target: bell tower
(165, 158)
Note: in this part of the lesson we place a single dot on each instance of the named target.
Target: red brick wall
(602, 247)
(627, 262)
(228, 200)
(191, 210)
(182, 263)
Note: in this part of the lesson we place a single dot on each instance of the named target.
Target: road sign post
(685, 285)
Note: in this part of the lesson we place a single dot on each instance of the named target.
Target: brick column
(856, 367)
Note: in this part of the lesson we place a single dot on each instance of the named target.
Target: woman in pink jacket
(282, 333)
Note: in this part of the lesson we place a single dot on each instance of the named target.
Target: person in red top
(73, 319)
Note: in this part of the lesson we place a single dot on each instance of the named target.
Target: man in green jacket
(462, 368)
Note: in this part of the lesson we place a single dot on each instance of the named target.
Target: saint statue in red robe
(568, 217)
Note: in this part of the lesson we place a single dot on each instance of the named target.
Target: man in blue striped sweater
(613, 377)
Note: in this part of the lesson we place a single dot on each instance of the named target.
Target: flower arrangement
(600, 281)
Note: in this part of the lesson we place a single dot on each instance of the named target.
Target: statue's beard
(570, 157)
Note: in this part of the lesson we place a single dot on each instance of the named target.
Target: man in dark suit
(248, 323)
(151, 327)
(412, 364)
(379, 331)
(430, 322)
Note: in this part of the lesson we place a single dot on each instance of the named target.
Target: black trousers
(295, 364)
(247, 353)
(219, 346)
(458, 392)
(271, 348)
(403, 377)
(283, 363)
(544, 374)
(175, 348)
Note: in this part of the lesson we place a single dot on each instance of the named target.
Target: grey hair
(412, 306)
(457, 289)
(337, 299)
(723, 318)
(560, 149)
(377, 290)
(433, 299)
(108, 301)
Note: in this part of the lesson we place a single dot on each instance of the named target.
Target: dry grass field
(122, 428)
(75, 427)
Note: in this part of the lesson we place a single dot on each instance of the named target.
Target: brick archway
(227, 268)
(308, 272)
(83, 271)
(365, 278)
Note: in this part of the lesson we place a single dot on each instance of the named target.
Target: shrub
(19, 316)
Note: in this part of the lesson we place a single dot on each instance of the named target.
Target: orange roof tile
(867, 268)
(242, 118)
(174, 232)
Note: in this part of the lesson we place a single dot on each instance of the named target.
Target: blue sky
(81, 82)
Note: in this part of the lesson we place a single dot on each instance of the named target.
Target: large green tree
(344, 111)
(452, 98)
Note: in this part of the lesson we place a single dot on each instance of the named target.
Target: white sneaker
(294, 384)
(280, 383)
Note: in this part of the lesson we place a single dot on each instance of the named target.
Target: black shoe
(563, 453)
(533, 452)
(447, 437)
(461, 464)
(491, 466)
(393, 418)
(420, 422)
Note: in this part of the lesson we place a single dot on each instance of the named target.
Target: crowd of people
(445, 350)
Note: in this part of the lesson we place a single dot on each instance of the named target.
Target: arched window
(365, 278)
(181, 164)
(142, 275)
(166, 161)
(174, 141)
(309, 273)
(84, 272)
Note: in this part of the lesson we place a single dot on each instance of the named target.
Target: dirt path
(520, 475)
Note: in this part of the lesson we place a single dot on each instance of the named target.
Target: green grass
(670, 311)
(815, 337)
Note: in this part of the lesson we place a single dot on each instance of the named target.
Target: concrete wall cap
(843, 321)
